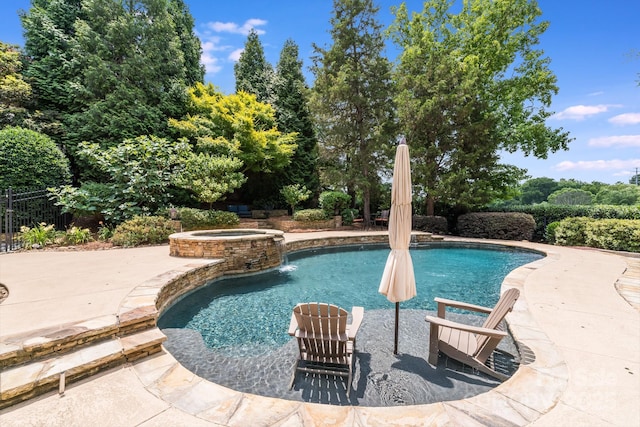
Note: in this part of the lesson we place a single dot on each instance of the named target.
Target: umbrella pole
(395, 344)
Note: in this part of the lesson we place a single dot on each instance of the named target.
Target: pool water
(252, 313)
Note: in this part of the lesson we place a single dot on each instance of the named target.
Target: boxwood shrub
(142, 230)
(496, 225)
(612, 234)
(306, 215)
(431, 224)
(544, 213)
(200, 219)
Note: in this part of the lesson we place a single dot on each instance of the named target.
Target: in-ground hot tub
(241, 249)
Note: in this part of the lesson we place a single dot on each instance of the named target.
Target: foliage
(41, 235)
(572, 231)
(209, 177)
(619, 194)
(545, 213)
(614, 234)
(571, 196)
(348, 215)
(253, 73)
(138, 173)
(635, 180)
(291, 104)
(352, 100)
(198, 219)
(30, 159)
(105, 232)
(294, 194)
(110, 70)
(236, 126)
(332, 202)
(495, 225)
(14, 90)
(550, 232)
(77, 236)
(431, 224)
(537, 190)
(141, 230)
(469, 85)
(306, 215)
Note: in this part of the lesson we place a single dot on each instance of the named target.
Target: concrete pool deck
(585, 336)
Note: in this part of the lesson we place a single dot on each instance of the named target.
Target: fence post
(9, 219)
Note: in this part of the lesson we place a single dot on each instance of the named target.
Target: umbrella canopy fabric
(398, 281)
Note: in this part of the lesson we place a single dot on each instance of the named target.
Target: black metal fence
(27, 207)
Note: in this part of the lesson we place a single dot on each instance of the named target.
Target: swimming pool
(250, 314)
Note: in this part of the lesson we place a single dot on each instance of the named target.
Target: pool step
(21, 382)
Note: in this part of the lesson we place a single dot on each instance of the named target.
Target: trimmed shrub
(496, 225)
(614, 234)
(432, 224)
(550, 232)
(30, 159)
(307, 215)
(333, 202)
(199, 219)
(545, 213)
(572, 231)
(142, 230)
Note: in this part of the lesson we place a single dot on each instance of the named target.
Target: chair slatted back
(502, 308)
(322, 329)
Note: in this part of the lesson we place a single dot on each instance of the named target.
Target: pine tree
(253, 73)
(352, 99)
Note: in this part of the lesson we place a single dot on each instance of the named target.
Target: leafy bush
(306, 215)
(545, 213)
(614, 234)
(333, 202)
(571, 196)
(348, 215)
(432, 224)
(142, 230)
(42, 235)
(572, 231)
(104, 232)
(199, 219)
(30, 159)
(91, 199)
(550, 232)
(496, 225)
(77, 236)
(294, 194)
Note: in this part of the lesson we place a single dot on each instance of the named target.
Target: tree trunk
(430, 206)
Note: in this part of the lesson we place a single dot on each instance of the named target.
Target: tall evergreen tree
(253, 73)
(352, 99)
(291, 104)
(112, 70)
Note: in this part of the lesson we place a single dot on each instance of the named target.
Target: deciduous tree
(14, 91)
(471, 84)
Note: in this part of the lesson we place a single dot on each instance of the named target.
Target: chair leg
(293, 376)
(433, 344)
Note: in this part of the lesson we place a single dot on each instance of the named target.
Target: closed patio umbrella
(398, 281)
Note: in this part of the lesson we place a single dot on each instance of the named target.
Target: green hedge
(612, 234)
(199, 219)
(431, 224)
(309, 215)
(496, 225)
(544, 214)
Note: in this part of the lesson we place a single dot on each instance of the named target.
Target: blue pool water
(254, 311)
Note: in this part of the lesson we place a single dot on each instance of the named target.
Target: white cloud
(580, 112)
(210, 45)
(596, 93)
(589, 165)
(625, 119)
(617, 141)
(235, 55)
(233, 28)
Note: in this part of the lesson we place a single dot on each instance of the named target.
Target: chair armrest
(357, 314)
(463, 305)
(293, 325)
(468, 328)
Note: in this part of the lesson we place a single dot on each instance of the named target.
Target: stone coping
(531, 392)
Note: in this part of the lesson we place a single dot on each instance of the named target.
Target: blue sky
(594, 47)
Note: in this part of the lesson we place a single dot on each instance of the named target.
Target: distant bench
(241, 210)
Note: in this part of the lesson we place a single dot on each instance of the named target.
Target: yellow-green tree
(14, 91)
(235, 127)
